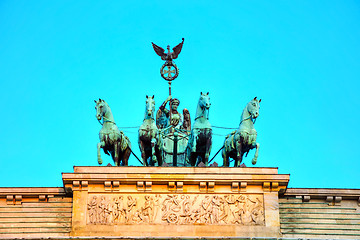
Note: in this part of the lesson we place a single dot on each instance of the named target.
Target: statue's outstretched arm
(162, 107)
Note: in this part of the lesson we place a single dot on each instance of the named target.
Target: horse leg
(143, 154)
(225, 157)
(153, 143)
(194, 140)
(100, 145)
(256, 154)
(239, 154)
(116, 154)
(207, 151)
(126, 156)
(158, 154)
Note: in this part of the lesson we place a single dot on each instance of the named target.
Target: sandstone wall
(34, 212)
(320, 213)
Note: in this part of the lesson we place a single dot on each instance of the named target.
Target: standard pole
(170, 102)
(175, 149)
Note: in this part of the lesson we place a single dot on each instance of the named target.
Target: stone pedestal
(175, 201)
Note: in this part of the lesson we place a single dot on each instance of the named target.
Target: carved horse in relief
(199, 145)
(149, 136)
(112, 140)
(244, 139)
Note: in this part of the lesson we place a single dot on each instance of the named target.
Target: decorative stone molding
(275, 186)
(107, 185)
(140, 186)
(76, 185)
(84, 185)
(18, 199)
(306, 198)
(42, 198)
(266, 186)
(202, 187)
(179, 186)
(211, 186)
(10, 199)
(337, 201)
(243, 186)
(235, 186)
(171, 186)
(116, 185)
(148, 186)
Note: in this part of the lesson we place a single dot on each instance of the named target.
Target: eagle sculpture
(169, 56)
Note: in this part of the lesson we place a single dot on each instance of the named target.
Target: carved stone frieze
(220, 209)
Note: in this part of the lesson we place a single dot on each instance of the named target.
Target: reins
(253, 120)
(104, 121)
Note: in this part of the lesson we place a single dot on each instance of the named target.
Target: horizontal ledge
(32, 190)
(324, 213)
(42, 207)
(344, 192)
(320, 218)
(304, 203)
(312, 233)
(33, 227)
(350, 224)
(35, 212)
(35, 233)
(69, 222)
(34, 217)
(327, 208)
(313, 228)
(173, 170)
(131, 177)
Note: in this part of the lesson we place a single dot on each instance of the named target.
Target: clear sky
(300, 57)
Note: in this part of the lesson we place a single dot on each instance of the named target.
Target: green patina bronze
(112, 140)
(168, 139)
(244, 139)
(200, 141)
(149, 136)
(169, 71)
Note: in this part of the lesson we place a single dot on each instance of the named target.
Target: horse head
(253, 107)
(204, 100)
(150, 107)
(101, 108)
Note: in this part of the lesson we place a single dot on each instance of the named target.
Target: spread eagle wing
(177, 49)
(159, 50)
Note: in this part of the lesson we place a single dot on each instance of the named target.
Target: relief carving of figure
(186, 207)
(206, 209)
(92, 209)
(225, 210)
(102, 210)
(148, 209)
(119, 209)
(215, 210)
(131, 203)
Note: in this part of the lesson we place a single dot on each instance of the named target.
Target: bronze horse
(244, 139)
(149, 137)
(199, 145)
(112, 141)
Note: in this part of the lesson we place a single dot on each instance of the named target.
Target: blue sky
(300, 57)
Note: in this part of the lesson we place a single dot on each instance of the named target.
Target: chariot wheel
(173, 218)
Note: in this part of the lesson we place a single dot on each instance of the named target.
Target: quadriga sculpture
(199, 145)
(149, 138)
(112, 141)
(244, 139)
